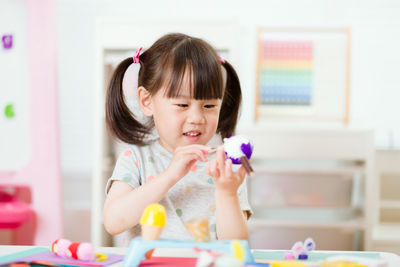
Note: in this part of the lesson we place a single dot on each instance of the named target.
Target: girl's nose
(196, 116)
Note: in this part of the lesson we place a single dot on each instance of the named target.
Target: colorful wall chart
(303, 74)
(286, 72)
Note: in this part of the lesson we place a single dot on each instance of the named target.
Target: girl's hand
(225, 180)
(184, 159)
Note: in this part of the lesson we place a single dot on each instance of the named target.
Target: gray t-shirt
(193, 196)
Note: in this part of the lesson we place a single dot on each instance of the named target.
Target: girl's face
(182, 120)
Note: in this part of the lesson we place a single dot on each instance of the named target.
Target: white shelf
(387, 232)
(307, 216)
(389, 204)
(319, 168)
(353, 224)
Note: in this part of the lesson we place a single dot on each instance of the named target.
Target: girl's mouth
(192, 135)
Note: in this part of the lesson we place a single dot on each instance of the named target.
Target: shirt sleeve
(127, 169)
(243, 200)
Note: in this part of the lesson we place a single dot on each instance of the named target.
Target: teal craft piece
(22, 254)
(138, 248)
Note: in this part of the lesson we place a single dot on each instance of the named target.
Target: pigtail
(121, 123)
(231, 103)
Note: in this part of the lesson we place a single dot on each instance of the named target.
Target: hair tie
(136, 56)
(221, 59)
(129, 88)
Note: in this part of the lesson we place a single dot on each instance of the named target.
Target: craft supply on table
(153, 221)
(239, 150)
(45, 255)
(199, 228)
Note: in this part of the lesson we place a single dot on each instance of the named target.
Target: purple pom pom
(236, 147)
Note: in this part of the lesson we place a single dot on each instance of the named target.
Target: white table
(393, 259)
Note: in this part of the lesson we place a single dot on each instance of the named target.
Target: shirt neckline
(161, 148)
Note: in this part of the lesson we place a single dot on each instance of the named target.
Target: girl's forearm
(230, 220)
(125, 211)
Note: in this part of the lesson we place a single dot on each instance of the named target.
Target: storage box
(300, 190)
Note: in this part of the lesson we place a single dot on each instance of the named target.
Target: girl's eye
(209, 106)
(182, 105)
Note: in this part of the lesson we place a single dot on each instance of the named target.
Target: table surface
(392, 259)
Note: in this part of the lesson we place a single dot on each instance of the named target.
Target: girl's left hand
(225, 179)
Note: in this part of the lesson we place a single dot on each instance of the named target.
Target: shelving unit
(386, 231)
(311, 182)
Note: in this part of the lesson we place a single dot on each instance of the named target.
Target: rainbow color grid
(286, 72)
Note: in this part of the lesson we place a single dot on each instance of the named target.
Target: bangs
(191, 67)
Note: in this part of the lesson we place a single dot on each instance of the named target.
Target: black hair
(165, 64)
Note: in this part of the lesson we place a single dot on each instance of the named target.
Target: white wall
(375, 83)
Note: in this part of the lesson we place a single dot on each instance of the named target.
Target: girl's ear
(144, 99)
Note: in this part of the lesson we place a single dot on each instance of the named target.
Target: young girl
(189, 94)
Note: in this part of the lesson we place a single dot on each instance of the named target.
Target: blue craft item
(138, 248)
(303, 256)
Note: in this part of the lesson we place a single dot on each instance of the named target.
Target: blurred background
(320, 103)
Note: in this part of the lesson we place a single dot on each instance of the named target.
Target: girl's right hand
(184, 160)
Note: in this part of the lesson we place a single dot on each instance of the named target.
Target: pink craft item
(60, 247)
(13, 212)
(86, 252)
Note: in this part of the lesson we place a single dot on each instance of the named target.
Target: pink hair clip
(136, 57)
(221, 59)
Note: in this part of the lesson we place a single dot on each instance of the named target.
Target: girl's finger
(242, 173)
(190, 157)
(214, 168)
(196, 146)
(200, 147)
(190, 160)
(228, 168)
(198, 150)
(221, 160)
(209, 169)
(193, 153)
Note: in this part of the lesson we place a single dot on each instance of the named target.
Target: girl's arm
(231, 222)
(124, 205)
